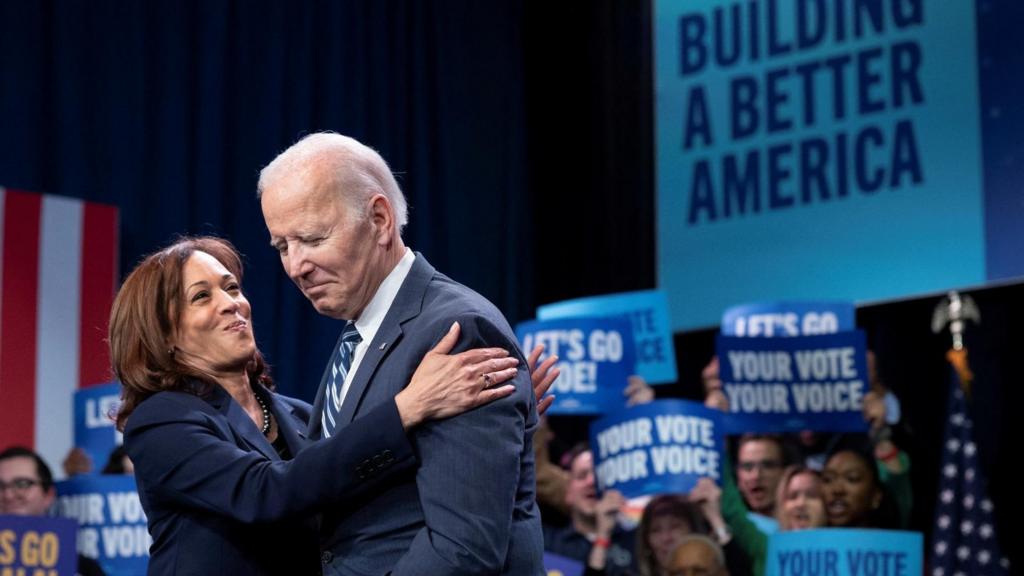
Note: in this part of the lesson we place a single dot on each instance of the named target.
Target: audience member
(698, 555)
(26, 489)
(593, 535)
(759, 463)
(799, 506)
(856, 496)
(665, 522)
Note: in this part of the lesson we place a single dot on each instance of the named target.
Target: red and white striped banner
(58, 276)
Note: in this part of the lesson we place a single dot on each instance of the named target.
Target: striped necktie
(341, 361)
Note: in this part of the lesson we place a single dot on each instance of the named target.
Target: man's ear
(51, 495)
(382, 218)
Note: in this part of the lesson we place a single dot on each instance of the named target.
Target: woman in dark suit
(227, 478)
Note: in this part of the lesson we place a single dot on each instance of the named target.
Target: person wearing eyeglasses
(26, 489)
(759, 464)
(26, 485)
(760, 458)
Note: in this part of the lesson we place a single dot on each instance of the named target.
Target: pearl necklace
(266, 413)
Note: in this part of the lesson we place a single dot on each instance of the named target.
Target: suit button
(326, 557)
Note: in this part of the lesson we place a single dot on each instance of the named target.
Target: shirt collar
(373, 315)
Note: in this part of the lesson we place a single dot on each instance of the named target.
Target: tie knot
(350, 333)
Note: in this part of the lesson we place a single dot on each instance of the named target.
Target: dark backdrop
(521, 132)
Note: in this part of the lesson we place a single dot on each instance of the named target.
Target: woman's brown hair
(145, 315)
(780, 491)
(674, 505)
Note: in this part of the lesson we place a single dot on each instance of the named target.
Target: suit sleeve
(186, 457)
(469, 475)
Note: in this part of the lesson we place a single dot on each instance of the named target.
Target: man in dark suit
(335, 214)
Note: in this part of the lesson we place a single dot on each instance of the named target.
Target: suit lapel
(241, 423)
(407, 304)
(289, 426)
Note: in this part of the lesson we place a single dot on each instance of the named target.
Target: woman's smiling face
(213, 333)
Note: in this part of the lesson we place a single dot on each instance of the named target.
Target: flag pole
(955, 311)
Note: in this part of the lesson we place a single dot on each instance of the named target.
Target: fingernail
(454, 325)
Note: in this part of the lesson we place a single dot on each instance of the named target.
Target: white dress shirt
(373, 315)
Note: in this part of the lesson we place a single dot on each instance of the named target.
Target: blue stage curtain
(168, 109)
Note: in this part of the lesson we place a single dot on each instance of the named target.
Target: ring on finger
(488, 381)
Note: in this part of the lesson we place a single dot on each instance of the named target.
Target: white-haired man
(335, 215)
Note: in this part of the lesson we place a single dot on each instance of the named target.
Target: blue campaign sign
(844, 552)
(803, 318)
(112, 524)
(37, 545)
(816, 149)
(596, 358)
(657, 448)
(652, 331)
(555, 565)
(793, 384)
(94, 430)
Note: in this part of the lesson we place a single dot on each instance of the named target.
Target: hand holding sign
(606, 512)
(542, 377)
(638, 392)
(708, 496)
(77, 462)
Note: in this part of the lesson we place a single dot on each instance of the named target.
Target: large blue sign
(793, 384)
(94, 428)
(37, 545)
(112, 524)
(647, 310)
(662, 447)
(815, 149)
(770, 319)
(844, 552)
(595, 358)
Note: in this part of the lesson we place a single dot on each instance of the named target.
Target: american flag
(964, 539)
(58, 274)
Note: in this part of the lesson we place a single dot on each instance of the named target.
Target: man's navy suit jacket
(218, 498)
(469, 507)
